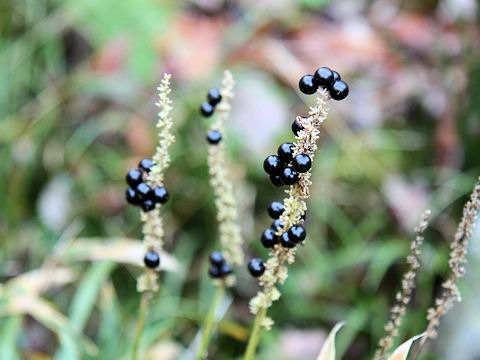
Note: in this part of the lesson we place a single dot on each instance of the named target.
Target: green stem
(255, 334)
(142, 315)
(209, 323)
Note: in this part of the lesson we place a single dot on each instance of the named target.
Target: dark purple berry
(273, 165)
(286, 242)
(160, 195)
(269, 239)
(131, 197)
(339, 90)
(206, 109)
(276, 180)
(256, 267)
(302, 163)
(151, 260)
(324, 77)
(226, 269)
(214, 96)
(216, 258)
(143, 192)
(275, 209)
(285, 152)
(215, 272)
(276, 224)
(297, 233)
(134, 177)
(148, 205)
(336, 76)
(145, 165)
(307, 85)
(214, 137)
(296, 127)
(289, 176)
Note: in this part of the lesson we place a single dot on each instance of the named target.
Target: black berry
(276, 180)
(296, 127)
(151, 259)
(213, 96)
(226, 269)
(145, 165)
(143, 192)
(216, 258)
(297, 233)
(160, 195)
(302, 163)
(324, 77)
(215, 272)
(134, 177)
(285, 152)
(273, 165)
(214, 137)
(336, 76)
(148, 205)
(275, 209)
(286, 242)
(289, 176)
(307, 85)
(131, 197)
(206, 109)
(269, 239)
(277, 223)
(256, 267)
(339, 90)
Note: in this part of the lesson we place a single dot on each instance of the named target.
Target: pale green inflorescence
(294, 207)
(152, 221)
(225, 201)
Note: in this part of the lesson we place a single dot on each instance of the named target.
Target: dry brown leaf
(43, 279)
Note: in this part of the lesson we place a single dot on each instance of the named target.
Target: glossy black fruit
(148, 205)
(145, 165)
(302, 163)
(296, 127)
(307, 85)
(339, 90)
(214, 137)
(151, 260)
(275, 209)
(276, 224)
(213, 96)
(297, 233)
(285, 152)
(286, 242)
(256, 267)
(336, 76)
(269, 239)
(273, 165)
(216, 258)
(134, 177)
(324, 77)
(276, 180)
(289, 176)
(206, 109)
(131, 197)
(215, 272)
(226, 269)
(143, 192)
(160, 195)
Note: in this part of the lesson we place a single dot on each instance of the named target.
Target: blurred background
(78, 86)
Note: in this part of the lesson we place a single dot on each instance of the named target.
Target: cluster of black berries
(284, 168)
(326, 78)
(218, 267)
(213, 98)
(141, 194)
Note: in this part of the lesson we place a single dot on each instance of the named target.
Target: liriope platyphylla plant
(230, 253)
(443, 303)
(146, 190)
(290, 167)
(397, 312)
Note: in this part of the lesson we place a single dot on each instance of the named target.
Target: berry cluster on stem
(327, 79)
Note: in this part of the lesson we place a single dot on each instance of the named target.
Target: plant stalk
(255, 334)
(144, 301)
(209, 323)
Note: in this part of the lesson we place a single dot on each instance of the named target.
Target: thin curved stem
(255, 334)
(142, 315)
(209, 323)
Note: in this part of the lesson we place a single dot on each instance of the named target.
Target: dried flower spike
(403, 296)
